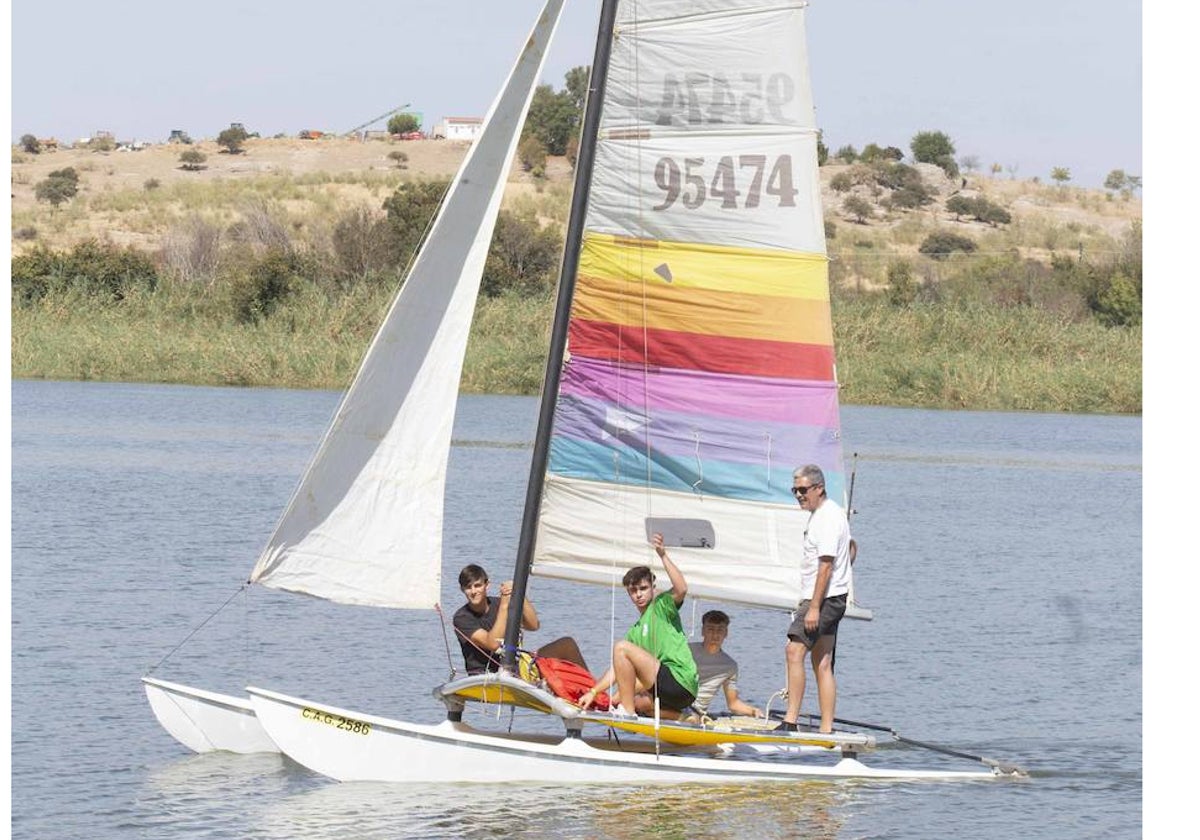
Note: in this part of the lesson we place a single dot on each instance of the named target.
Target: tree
(403, 124)
(1060, 174)
(931, 147)
(31, 144)
(552, 118)
(858, 207)
(232, 139)
(577, 85)
(1115, 180)
(822, 150)
(847, 154)
(58, 187)
(192, 160)
(969, 163)
(399, 158)
(996, 169)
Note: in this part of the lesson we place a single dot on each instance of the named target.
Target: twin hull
(350, 746)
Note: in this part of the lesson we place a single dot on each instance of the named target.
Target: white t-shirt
(827, 534)
(715, 669)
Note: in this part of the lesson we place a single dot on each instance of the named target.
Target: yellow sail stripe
(703, 311)
(719, 268)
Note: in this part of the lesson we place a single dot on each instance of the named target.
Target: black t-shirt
(467, 622)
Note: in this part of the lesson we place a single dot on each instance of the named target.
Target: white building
(458, 128)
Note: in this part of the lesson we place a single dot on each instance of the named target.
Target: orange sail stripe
(689, 351)
(703, 311)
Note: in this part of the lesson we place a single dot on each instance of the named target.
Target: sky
(1028, 84)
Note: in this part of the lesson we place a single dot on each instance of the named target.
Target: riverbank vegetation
(950, 292)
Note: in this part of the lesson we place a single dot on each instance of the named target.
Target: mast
(558, 335)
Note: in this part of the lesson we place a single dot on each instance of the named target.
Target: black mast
(562, 316)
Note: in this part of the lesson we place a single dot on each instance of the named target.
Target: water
(1004, 577)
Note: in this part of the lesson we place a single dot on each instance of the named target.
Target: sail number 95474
(345, 724)
(746, 178)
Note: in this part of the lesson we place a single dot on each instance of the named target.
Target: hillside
(136, 197)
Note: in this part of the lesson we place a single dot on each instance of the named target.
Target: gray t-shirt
(716, 670)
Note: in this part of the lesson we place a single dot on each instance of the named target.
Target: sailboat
(691, 369)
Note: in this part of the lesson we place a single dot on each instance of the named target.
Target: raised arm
(678, 582)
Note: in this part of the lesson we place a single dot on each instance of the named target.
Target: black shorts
(832, 610)
(671, 695)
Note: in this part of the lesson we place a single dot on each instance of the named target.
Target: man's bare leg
(822, 665)
(795, 679)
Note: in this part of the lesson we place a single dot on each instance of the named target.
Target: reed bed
(932, 356)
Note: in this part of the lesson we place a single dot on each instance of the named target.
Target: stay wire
(198, 628)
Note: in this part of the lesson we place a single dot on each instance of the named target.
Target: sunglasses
(800, 491)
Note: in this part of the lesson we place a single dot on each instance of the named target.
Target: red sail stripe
(688, 351)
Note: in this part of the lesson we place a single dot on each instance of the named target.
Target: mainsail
(365, 524)
(699, 369)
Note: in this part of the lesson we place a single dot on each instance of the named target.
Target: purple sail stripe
(686, 392)
(681, 436)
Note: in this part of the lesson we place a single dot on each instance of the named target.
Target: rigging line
(173, 650)
(446, 639)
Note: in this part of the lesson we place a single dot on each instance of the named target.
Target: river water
(991, 551)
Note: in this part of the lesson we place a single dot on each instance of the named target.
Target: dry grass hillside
(136, 197)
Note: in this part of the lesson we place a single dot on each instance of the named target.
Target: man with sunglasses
(824, 584)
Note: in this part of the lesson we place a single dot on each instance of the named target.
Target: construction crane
(384, 115)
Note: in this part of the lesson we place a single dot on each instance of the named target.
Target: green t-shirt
(660, 632)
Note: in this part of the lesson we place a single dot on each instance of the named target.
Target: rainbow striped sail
(700, 367)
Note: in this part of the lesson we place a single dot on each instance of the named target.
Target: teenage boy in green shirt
(653, 659)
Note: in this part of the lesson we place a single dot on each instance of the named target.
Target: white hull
(204, 721)
(350, 746)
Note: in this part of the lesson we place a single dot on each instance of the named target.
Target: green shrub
(192, 160)
(1119, 304)
(151, 184)
(258, 284)
(859, 208)
(409, 210)
(841, 182)
(830, 229)
(901, 287)
(98, 269)
(34, 146)
(25, 234)
(532, 154)
(524, 256)
(940, 244)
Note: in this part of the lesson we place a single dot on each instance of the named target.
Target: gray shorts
(832, 610)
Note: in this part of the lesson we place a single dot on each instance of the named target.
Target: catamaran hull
(204, 721)
(351, 746)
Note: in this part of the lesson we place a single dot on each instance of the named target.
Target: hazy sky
(1028, 83)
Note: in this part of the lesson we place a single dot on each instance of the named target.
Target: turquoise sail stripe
(615, 463)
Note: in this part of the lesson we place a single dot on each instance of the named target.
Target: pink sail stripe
(797, 401)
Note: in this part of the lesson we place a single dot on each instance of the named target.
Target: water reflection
(372, 810)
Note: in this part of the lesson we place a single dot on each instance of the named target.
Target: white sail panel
(746, 191)
(736, 70)
(648, 11)
(365, 524)
(593, 533)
